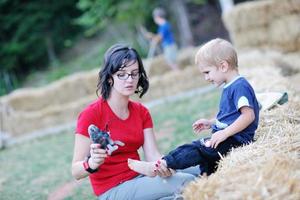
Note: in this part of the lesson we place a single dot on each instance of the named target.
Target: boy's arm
(156, 38)
(151, 36)
(202, 124)
(243, 121)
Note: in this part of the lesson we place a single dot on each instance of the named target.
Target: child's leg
(185, 156)
(213, 155)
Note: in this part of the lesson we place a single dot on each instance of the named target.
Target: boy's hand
(217, 138)
(201, 124)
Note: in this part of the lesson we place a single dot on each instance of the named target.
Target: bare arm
(156, 38)
(152, 153)
(202, 124)
(82, 148)
(150, 147)
(243, 121)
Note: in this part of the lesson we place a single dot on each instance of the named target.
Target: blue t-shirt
(167, 37)
(237, 94)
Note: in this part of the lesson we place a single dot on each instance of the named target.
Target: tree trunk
(51, 52)
(178, 9)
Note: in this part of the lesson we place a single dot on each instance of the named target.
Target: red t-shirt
(115, 170)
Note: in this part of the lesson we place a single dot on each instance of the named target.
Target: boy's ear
(224, 66)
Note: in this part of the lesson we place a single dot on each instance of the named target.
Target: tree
(32, 32)
(184, 28)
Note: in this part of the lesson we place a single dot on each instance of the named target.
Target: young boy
(165, 37)
(235, 123)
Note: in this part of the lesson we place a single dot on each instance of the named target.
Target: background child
(165, 37)
(235, 123)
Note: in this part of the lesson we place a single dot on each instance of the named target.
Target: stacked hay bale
(266, 169)
(158, 66)
(266, 24)
(269, 168)
(28, 110)
(174, 82)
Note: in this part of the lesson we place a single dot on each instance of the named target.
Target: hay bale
(247, 15)
(266, 169)
(22, 123)
(295, 83)
(265, 24)
(270, 167)
(186, 57)
(255, 37)
(38, 108)
(260, 68)
(174, 82)
(158, 64)
(284, 33)
(59, 92)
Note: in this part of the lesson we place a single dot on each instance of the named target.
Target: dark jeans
(196, 153)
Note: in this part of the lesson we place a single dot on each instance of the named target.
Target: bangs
(122, 60)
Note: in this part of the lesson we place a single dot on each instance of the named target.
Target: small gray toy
(103, 138)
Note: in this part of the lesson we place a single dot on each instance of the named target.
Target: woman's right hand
(201, 124)
(98, 156)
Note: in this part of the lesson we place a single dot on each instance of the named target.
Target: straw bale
(262, 70)
(247, 15)
(295, 82)
(293, 61)
(158, 65)
(255, 37)
(284, 33)
(23, 122)
(265, 24)
(186, 57)
(280, 8)
(174, 82)
(269, 168)
(59, 92)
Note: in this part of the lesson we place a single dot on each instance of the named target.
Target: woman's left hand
(163, 171)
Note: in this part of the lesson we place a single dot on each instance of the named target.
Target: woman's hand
(98, 156)
(162, 170)
(201, 124)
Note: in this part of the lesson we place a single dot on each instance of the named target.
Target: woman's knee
(179, 180)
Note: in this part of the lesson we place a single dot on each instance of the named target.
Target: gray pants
(150, 188)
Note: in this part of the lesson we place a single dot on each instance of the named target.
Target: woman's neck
(119, 105)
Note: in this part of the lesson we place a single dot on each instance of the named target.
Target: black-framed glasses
(125, 76)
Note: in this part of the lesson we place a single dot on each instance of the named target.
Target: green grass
(34, 169)
(177, 118)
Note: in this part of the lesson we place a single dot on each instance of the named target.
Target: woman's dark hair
(117, 57)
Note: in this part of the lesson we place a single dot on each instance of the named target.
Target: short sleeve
(85, 118)
(146, 117)
(243, 96)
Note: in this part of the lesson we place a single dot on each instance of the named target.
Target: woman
(130, 122)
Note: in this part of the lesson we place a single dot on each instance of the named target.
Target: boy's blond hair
(214, 52)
